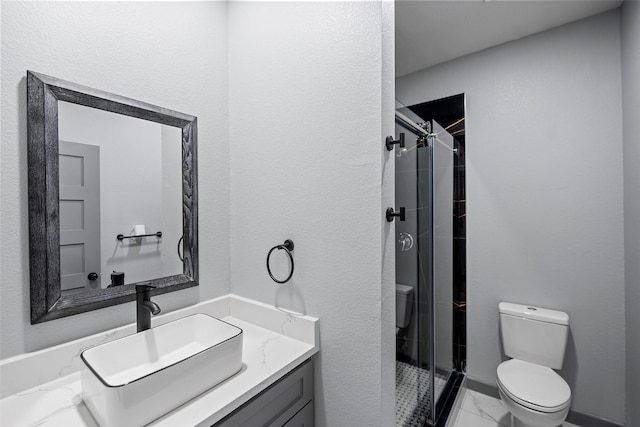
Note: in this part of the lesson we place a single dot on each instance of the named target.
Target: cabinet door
(277, 404)
(304, 418)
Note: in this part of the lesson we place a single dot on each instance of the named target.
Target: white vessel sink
(136, 379)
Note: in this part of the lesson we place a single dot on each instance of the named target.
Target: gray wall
(544, 195)
(141, 50)
(631, 132)
(308, 84)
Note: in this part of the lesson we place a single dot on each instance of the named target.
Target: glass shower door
(413, 404)
(442, 168)
(424, 186)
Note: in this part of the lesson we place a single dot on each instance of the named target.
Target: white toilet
(404, 304)
(535, 339)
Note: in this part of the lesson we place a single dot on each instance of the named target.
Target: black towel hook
(391, 215)
(287, 246)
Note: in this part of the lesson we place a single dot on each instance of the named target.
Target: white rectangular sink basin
(137, 379)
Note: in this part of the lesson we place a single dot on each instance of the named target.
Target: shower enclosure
(430, 259)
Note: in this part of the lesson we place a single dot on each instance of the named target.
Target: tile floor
(412, 382)
(480, 410)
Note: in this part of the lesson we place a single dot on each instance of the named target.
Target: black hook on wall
(390, 142)
(391, 215)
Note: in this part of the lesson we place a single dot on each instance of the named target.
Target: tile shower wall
(544, 195)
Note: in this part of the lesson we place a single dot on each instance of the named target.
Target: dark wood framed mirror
(48, 301)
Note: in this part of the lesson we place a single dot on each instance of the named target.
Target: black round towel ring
(288, 247)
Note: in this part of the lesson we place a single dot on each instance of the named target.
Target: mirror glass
(113, 198)
(118, 175)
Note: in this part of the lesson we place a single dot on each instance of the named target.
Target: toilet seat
(533, 386)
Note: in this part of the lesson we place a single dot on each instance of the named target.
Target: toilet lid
(535, 386)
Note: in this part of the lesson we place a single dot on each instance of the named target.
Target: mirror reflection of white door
(79, 216)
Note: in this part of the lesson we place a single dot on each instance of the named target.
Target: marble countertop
(279, 344)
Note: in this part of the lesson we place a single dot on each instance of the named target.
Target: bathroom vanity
(183, 371)
(273, 387)
(289, 403)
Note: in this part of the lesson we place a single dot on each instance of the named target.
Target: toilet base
(525, 417)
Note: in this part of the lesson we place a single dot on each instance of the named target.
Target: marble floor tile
(467, 419)
(486, 407)
(480, 410)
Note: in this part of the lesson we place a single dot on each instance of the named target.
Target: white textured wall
(631, 132)
(170, 54)
(388, 341)
(544, 195)
(308, 89)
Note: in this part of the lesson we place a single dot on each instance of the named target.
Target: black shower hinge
(391, 215)
(390, 142)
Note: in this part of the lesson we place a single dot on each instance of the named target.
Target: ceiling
(431, 32)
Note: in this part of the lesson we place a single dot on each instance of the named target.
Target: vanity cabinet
(286, 403)
(304, 418)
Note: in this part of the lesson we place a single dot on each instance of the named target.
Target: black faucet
(145, 307)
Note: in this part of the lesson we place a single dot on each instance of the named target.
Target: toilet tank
(404, 303)
(533, 334)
